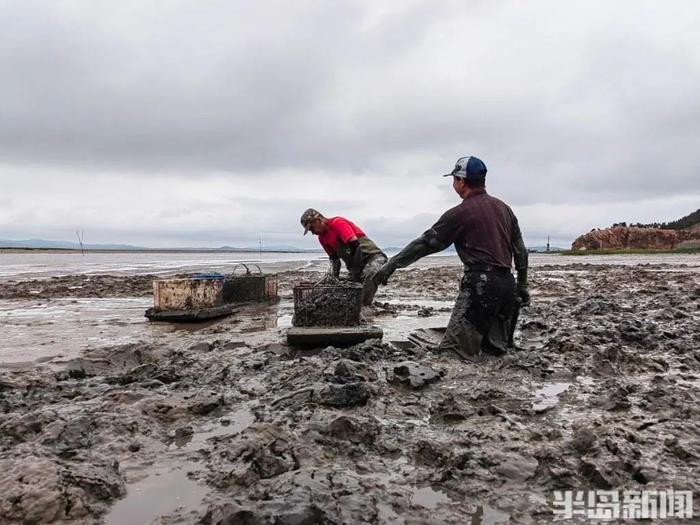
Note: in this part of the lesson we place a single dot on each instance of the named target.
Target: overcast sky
(203, 122)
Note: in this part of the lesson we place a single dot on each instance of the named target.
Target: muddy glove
(384, 273)
(523, 292)
(426, 244)
(335, 268)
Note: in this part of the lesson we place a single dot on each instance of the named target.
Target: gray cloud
(588, 109)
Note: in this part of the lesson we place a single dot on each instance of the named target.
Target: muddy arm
(335, 266)
(426, 244)
(356, 257)
(521, 262)
(519, 252)
(442, 234)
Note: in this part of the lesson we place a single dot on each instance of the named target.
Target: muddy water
(221, 423)
(63, 328)
(166, 487)
(59, 329)
(31, 265)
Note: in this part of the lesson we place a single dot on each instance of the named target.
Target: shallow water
(63, 328)
(164, 490)
(548, 396)
(33, 265)
(166, 487)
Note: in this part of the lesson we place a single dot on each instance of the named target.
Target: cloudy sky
(207, 122)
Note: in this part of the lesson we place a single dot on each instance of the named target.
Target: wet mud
(222, 423)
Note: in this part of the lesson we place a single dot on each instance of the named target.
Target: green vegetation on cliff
(688, 221)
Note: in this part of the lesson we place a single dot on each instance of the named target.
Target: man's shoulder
(454, 210)
(492, 198)
(338, 220)
(450, 216)
(344, 228)
(496, 201)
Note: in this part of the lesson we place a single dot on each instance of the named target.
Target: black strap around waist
(485, 268)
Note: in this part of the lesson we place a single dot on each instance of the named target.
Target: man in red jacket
(343, 240)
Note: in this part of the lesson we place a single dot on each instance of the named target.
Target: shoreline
(144, 250)
(568, 253)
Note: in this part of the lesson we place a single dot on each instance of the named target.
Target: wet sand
(109, 418)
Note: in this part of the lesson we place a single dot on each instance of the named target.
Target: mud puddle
(417, 303)
(36, 331)
(400, 327)
(164, 491)
(400, 316)
(65, 327)
(548, 396)
(485, 515)
(428, 497)
(167, 487)
(228, 425)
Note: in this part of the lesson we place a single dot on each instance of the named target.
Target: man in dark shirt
(487, 238)
(343, 240)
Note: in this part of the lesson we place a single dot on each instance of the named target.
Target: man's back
(334, 239)
(482, 228)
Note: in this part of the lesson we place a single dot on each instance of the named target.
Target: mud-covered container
(330, 302)
(250, 286)
(201, 291)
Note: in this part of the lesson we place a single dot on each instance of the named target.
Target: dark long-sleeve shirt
(484, 230)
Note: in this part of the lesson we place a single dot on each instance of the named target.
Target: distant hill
(689, 221)
(269, 248)
(66, 245)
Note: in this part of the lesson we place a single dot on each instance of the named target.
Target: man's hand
(355, 276)
(383, 274)
(523, 295)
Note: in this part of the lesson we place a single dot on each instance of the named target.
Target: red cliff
(622, 237)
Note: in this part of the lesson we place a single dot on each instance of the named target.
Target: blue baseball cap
(468, 168)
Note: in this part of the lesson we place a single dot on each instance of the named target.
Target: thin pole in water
(80, 234)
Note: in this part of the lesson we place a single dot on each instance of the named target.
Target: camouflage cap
(308, 217)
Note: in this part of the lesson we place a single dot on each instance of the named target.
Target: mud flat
(222, 423)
